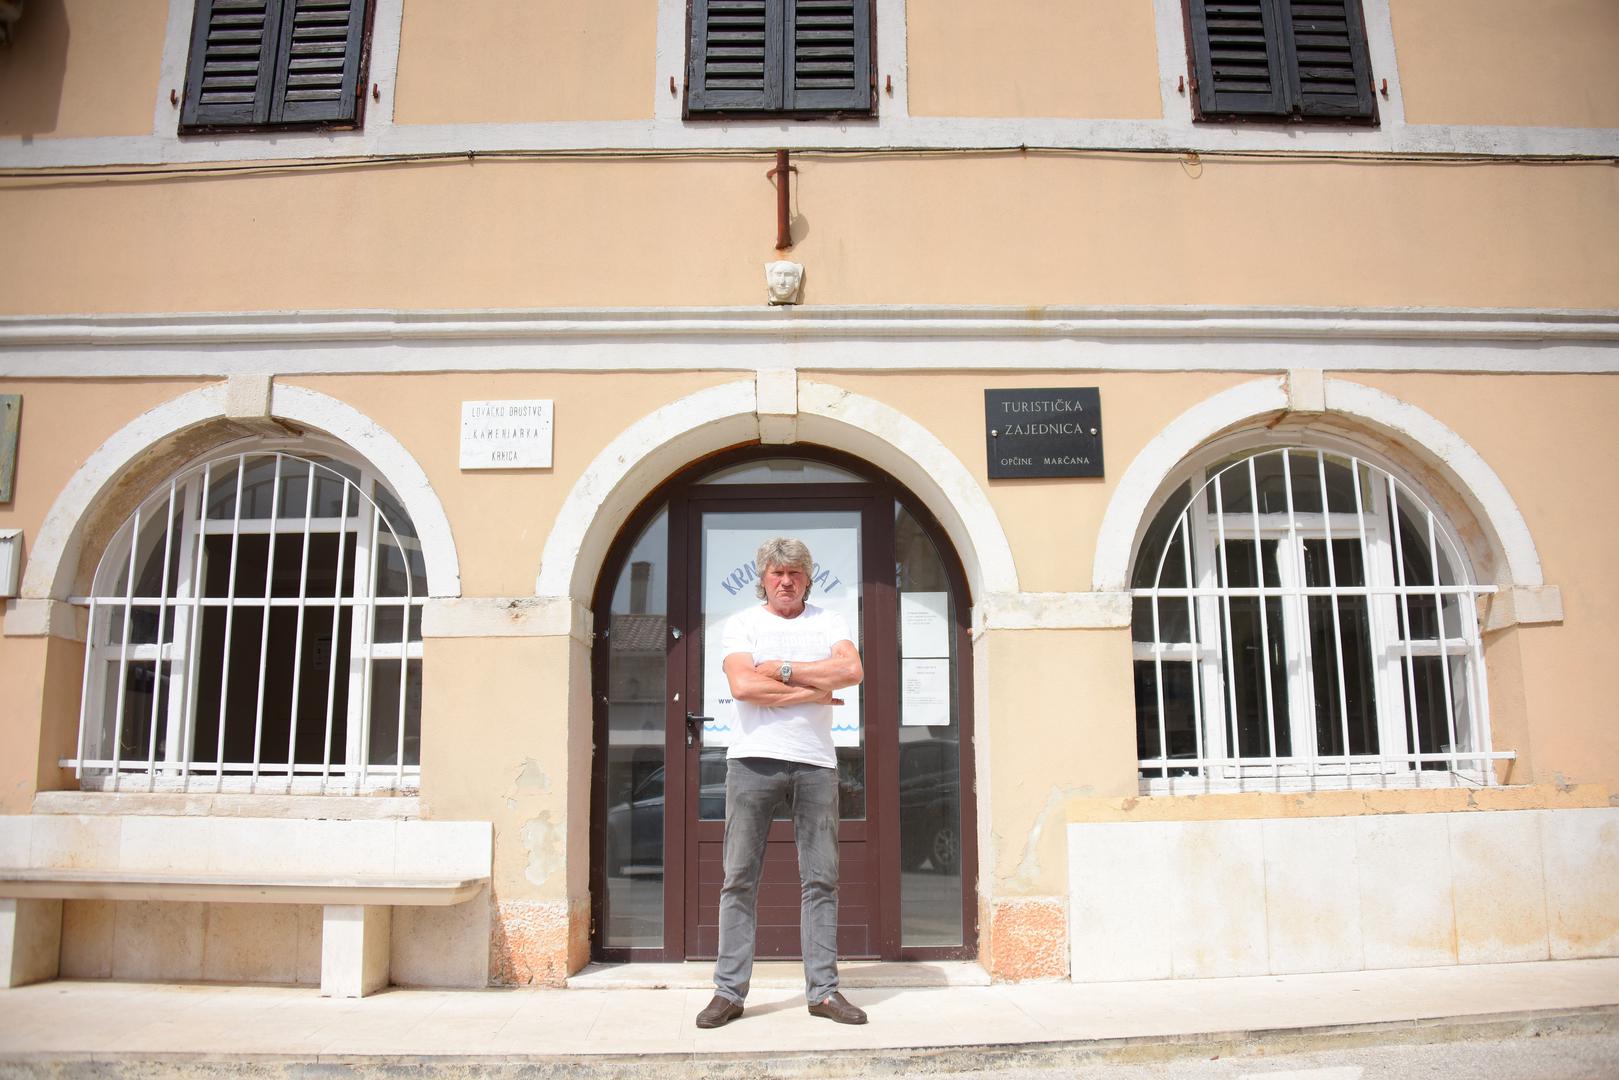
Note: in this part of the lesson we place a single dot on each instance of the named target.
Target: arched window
(256, 625)
(1303, 619)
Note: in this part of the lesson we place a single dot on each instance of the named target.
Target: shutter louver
(794, 56)
(261, 63)
(1236, 53)
(232, 66)
(319, 61)
(1334, 73)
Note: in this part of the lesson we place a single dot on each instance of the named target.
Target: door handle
(694, 729)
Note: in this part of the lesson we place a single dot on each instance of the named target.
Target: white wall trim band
(1053, 611)
(45, 618)
(840, 321)
(827, 339)
(888, 133)
(506, 616)
(1523, 606)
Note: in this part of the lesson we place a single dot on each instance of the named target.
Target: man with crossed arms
(784, 660)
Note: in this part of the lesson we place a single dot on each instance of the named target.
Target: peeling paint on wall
(1028, 871)
(530, 777)
(543, 839)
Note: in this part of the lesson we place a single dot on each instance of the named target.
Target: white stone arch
(667, 439)
(54, 558)
(1514, 555)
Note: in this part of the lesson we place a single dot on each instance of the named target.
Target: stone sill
(183, 804)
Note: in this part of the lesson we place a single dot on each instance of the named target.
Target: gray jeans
(754, 787)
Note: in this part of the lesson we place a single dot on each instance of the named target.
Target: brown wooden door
(847, 537)
(908, 857)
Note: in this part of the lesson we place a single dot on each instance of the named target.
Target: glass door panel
(730, 541)
(636, 641)
(930, 825)
(725, 540)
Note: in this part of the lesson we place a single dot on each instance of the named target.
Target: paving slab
(597, 1028)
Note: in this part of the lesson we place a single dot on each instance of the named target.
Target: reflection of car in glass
(929, 805)
(635, 827)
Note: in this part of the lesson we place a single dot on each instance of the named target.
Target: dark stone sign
(1043, 432)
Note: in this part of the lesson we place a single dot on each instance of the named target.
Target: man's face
(785, 587)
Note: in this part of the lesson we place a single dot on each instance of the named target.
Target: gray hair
(782, 551)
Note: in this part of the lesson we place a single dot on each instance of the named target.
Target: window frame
(699, 103)
(1288, 101)
(269, 108)
(1392, 646)
(183, 500)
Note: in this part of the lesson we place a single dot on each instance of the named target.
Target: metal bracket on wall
(10, 414)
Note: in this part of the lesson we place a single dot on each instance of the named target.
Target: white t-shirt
(784, 732)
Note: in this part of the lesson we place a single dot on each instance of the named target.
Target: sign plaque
(506, 434)
(1043, 432)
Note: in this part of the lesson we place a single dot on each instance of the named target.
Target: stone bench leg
(30, 941)
(354, 949)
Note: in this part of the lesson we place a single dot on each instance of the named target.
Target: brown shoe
(836, 1007)
(719, 1012)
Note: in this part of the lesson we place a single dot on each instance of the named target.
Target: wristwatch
(785, 672)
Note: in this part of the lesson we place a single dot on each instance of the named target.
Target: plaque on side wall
(1051, 433)
(506, 434)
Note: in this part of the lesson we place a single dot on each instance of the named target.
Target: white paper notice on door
(925, 693)
(924, 624)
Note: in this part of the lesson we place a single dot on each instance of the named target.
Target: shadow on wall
(32, 68)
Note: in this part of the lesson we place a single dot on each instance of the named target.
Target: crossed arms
(814, 681)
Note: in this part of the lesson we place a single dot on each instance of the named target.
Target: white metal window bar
(256, 625)
(1305, 620)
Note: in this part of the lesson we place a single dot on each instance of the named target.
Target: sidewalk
(621, 1030)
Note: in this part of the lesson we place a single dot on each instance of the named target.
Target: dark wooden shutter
(265, 62)
(768, 56)
(1331, 69)
(231, 72)
(734, 63)
(828, 55)
(1237, 58)
(318, 61)
(1300, 58)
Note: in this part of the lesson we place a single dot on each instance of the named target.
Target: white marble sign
(506, 434)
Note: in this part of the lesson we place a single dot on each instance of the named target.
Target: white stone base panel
(30, 940)
(173, 941)
(281, 944)
(1207, 899)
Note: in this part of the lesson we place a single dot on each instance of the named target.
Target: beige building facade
(380, 475)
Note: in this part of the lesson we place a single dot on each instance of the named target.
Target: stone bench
(357, 872)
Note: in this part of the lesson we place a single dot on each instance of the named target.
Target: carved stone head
(784, 279)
